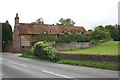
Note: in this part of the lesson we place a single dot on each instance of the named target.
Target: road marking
(18, 64)
(55, 74)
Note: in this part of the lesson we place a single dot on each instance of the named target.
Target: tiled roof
(44, 28)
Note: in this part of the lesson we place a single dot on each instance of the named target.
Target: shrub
(45, 51)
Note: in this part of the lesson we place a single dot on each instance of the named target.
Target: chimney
(17, 20)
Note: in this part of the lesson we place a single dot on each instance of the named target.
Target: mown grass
(109, 48)
(94, 64)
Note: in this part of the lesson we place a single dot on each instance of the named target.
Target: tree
(6, 33)
(39, 21)
(118, 27)
(67, 22)
(113, 31)
(100, 33)
(101, 28)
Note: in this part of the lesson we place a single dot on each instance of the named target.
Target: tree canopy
(6, 33)
(113, 31)
(39, 21)
(100, 33)
(67, 22)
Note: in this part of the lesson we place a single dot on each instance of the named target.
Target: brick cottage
(23, 31)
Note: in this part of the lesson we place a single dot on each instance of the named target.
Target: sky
(87, 13)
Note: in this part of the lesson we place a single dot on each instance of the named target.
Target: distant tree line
(67, 22)
(109, 32)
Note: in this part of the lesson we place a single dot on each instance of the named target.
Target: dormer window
(82, 32)
(65, 32)
(50, 30)
(45, 32)
(17, 24)
(73, 32)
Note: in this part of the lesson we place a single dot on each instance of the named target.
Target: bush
(45, 51)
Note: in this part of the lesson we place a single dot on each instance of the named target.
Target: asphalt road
(17, 67)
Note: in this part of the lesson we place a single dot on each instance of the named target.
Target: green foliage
(63, 38)
(67, 38)
(67, 22)
(113, 30)
(45, 37)
(100, 28)
(95, 64)
(118, 28)
(45, 51)
(39, 21)
(100, 33)
(6, 33)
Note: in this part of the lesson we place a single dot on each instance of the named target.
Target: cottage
(23, 31)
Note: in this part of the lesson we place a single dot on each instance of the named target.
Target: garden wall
(70, 46)
(89, 57)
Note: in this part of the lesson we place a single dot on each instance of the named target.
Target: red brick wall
(16, 40)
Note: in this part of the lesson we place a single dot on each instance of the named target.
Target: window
(57, 35)
(65, 32)
(73, 32)
(82, 32)
(23, 46)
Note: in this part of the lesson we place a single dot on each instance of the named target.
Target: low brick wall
(89, 57)
(70, 46)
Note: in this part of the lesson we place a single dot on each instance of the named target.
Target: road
(17, 67)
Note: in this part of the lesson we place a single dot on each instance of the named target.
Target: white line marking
(55, 74)
(18, 64)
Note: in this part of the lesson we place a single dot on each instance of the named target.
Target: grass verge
(29, 56)
(101, 65)
(94, 64)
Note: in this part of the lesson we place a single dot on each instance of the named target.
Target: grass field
(107, 48)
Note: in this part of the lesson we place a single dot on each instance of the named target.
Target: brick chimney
(17, 20)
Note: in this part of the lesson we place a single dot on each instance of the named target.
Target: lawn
(108, 48)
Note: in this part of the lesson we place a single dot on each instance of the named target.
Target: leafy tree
(118, 27)
(100, 33)
(113, 31)
(39, 21)
(6, 33)
(101, 28)
(67, 22)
